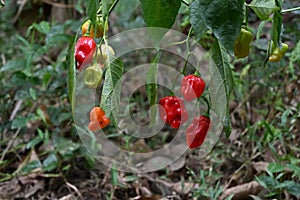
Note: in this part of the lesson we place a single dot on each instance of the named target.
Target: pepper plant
(225, 21)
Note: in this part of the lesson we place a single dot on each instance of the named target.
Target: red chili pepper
(197, 131)
(84, 50)
(98, 119)
(192, 87)
(172, 111)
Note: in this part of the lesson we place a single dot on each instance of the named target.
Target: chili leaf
(224, 18)
(277, 29)
(110, 96)
(106, 6)
(197, 22)
(151, 86)
(263, 8)
(160, 13)
(91, 9)
(220, 58)
(72, 72)
(260, 29)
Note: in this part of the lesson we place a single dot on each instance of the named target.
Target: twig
(16, 109)
(13, 114)
(3, 59)
(22, 4)
(113, 6)
(10, 143)
(73, 187)
(290, 10)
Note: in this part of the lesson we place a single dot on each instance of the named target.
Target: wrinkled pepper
(98, 119)
(278, 53)
(172, 111)
(242, 44)
(93, 76)
(192, 87)
(103, 52)
(197, 131)
(84, 50)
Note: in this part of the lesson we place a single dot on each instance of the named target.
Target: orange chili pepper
(98, 119)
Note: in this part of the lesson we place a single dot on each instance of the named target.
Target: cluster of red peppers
(173, 112)
(92, 60)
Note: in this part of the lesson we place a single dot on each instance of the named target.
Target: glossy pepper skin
(92, 76)
(192, 87)
(242, 44)
(98, 119)
(278, 53)
(172, 111)
(84, 50)
(197, 131)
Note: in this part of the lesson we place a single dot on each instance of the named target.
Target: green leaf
(20, 122)
(223, 17)
(263, 8)
(41, 134)
(111, 90)
(160, 13)
(50, 163)
(275, 167)
(42, 27)
(267, 182)
(106, 5)
(220, 58)
(227, 124)
(72, 71)
(292, 188)
(13, 65)
(276, 31)
(32, 93)
(114, 176)
(260, 29)
(65, 147)
(197, 22)
(151, 86)
(33, 142)
(31, 166)
(91, 9)
(41, 114)
(295, 169)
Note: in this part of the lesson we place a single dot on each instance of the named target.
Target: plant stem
(113, 6)
(185, 2)
(208, 106)
(189, 52)
(290, 10)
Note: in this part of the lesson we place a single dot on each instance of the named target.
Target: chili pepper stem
(208, 106)
(189, 52)
(290, 10)
(197, 73)
(113, 6)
